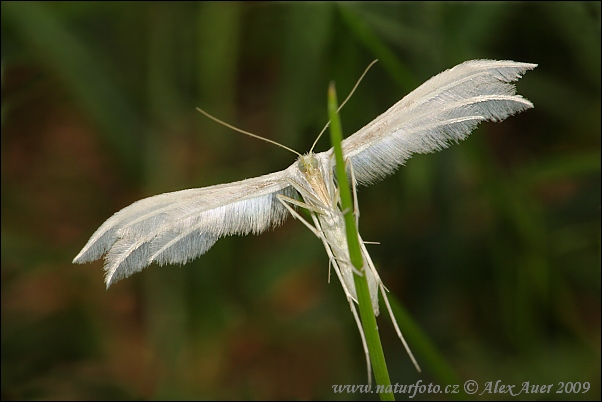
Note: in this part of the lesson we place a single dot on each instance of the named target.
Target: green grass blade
(368, 319)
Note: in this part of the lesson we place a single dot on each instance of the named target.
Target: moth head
(307, 163)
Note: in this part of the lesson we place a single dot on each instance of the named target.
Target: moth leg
(307, 196)
(363, 336)
(299, 203)
(371, 266)
(351, 301)
(285, 201)
(327, 247)
(330, 246)
(386, 300)
(405, 344)
(383, 291)
(316, 229)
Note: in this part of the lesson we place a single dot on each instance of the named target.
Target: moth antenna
(246, 132)
(343, 104)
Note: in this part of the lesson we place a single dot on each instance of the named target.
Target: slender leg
(307, 196)
(299, 203)
(363, 336)
(405, 344)
(286, 200)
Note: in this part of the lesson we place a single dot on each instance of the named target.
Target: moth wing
(444, 109)
(179, 226)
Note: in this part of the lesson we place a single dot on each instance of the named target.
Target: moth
(179, 226)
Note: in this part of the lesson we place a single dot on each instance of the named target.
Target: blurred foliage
(492, 245)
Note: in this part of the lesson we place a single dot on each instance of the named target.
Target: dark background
(493, 245)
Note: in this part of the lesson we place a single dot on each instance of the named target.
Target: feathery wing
(444, 109)
(179, 226)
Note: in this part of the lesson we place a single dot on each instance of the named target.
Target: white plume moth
(180, 226)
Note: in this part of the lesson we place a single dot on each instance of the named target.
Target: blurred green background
(493, 245)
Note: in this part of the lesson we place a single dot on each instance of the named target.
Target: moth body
(320, 194)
